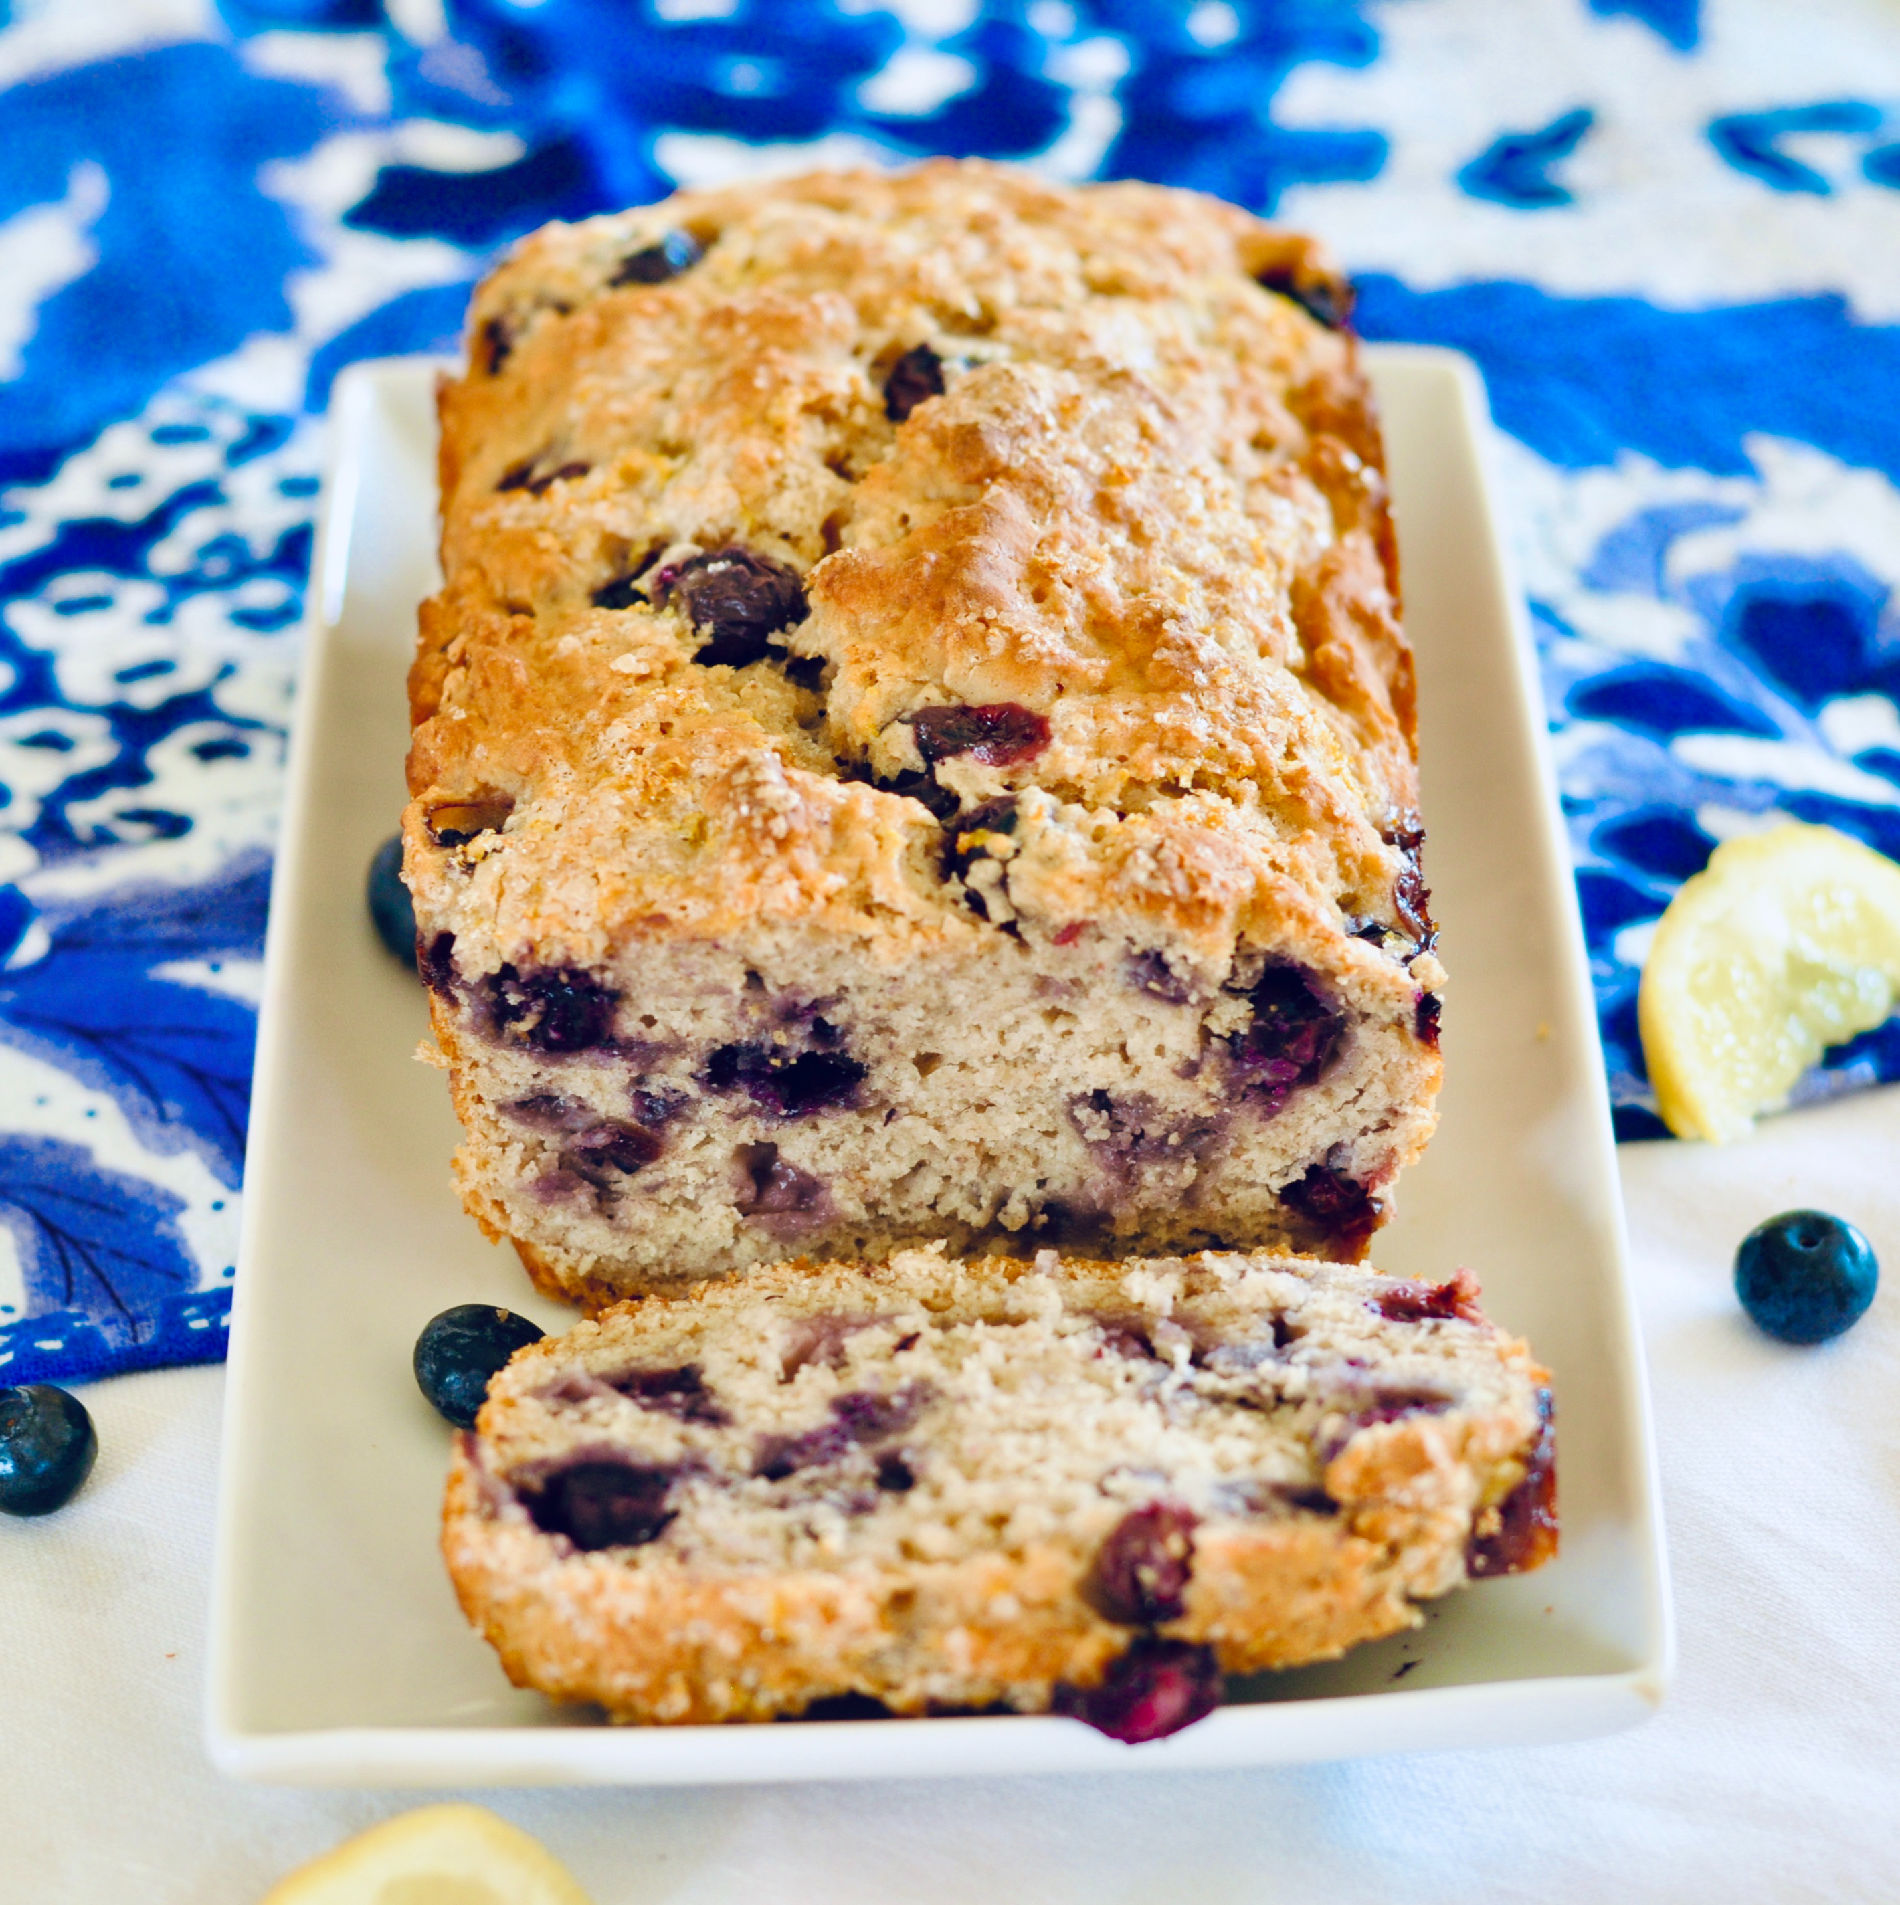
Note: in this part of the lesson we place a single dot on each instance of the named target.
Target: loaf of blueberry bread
(915, 740)
(1093, 1487)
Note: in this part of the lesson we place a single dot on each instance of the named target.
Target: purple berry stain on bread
(1156, 1688)
(1341, 1209)
(917, 375)
(1411, 897)
(858, 1418)
(819, 1342)
(529, 474)
(1002, 734)
(553, 1010)
(1141, 1571)
(786, 1084)
(1425, 1016)
(677, 252)
(1150, 972)
(602, 1502)
(436, 962)
(736, 599)
(1294, 1037)
(680, 1393)
(1525, 1535)
(776, 1194)
(608, 1147)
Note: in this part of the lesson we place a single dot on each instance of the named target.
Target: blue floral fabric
(1668, 231)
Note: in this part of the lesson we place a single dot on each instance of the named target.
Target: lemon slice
(441, 1855)
(1787, 943)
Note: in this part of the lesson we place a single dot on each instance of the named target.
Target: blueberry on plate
(1805, 1276)
(47, 1448)
(390, 907)
(461, 1349)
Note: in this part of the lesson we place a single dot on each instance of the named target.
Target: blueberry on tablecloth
(1805, 1276)
(47, 1448)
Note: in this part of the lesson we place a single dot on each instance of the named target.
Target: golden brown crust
(1149, 506)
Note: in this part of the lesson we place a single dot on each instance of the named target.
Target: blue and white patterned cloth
(1668, 230)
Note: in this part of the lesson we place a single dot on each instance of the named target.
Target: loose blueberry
(460, 1350)
(653, 264)
(1141, 1572)
(916, 375)
(1000, 734)
(1526, 1534)
(1156, 1688)
(391, 910)
(603, 1503)
(736, 599)
(1805, 1276)
(47, 1448)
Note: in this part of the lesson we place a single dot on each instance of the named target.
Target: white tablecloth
(1772, 1773)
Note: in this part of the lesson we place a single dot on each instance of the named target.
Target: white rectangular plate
(338, 1653)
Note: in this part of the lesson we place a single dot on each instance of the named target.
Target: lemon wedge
(440, 1855)
(1787, 943)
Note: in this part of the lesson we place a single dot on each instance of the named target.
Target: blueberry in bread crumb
(653, 264)
(555, 1011)
(459, 1351)
(1325, 300)
(1804, 1276)
(999, 735)
(47, 1448)
(603, 1504)
(1156, 1688)
(1525, 1532)
(1142, 1570)
(738, 599)
(391, 910)
(916, 375)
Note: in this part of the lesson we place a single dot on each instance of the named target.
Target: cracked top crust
(1148, 506)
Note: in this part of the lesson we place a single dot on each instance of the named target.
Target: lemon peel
(437, 1855)
(1788, 942)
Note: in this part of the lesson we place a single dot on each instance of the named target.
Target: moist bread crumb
(939, 1484)
(915, 741)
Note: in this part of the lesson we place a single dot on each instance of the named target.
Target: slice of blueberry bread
(916, 741)
(1083, 1486)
